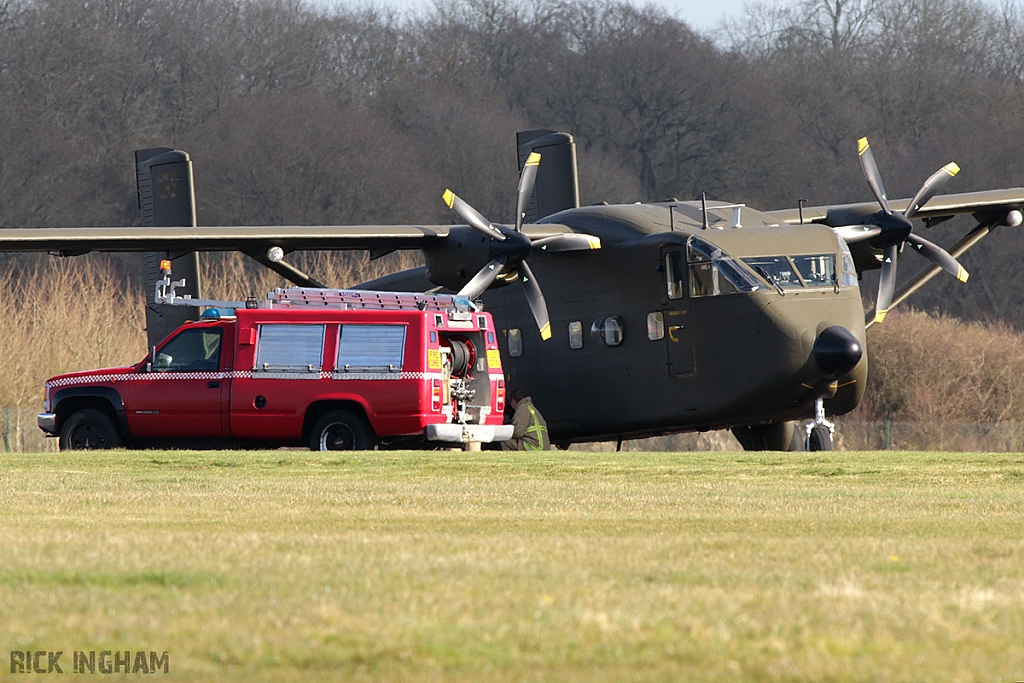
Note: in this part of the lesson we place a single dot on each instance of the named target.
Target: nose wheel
(820, 430)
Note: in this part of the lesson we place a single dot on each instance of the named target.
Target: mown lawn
(292, 566)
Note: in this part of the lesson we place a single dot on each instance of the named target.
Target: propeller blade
(930, 188)
(886, 283)
(526, 180)
(472, 217)
(482, 280)
(568, 242)
(939, 257)
(535, 298)
(867, 164)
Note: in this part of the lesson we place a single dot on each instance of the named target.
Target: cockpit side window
(849, 270)
(713, 272)
(675, 274)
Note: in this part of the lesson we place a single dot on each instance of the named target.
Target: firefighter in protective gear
(531, 431)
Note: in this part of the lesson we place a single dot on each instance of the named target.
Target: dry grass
(291, 566)
(63, 315)
(935, 369)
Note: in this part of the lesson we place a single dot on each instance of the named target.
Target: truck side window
(195, 350)
(371, 347)
(290, 348)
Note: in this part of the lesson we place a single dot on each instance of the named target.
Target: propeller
(895, 228)
(511, 247)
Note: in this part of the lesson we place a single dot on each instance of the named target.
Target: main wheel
(89, 429)
(341, 430)
(821, 439)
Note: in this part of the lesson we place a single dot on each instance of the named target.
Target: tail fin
(557, 186)
(167, 199)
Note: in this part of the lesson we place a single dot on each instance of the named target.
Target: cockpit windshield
(710, 271)
(777, 270)
(805, 270)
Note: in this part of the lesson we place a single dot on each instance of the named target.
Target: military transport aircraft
(622, 321)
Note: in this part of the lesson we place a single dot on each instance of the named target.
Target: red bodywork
(238, 402)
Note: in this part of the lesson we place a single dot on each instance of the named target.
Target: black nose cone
(837, 351)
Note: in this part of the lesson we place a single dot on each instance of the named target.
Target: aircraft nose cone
(837, 351)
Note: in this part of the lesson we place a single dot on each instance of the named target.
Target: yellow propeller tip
(962, 275)
(951, 168)
(862, 145)
(533, 159)
(595, 242)
(545, 332)
(880, 315)
(449, 198)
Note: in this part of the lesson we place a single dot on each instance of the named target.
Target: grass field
(293, 566)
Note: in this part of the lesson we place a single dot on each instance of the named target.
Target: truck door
(184, 395)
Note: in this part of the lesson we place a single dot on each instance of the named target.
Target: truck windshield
(195, 350)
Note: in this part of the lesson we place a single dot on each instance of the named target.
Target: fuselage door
(678, 332)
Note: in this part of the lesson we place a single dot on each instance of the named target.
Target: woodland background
(295, 114)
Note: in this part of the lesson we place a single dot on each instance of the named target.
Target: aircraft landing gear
(820, 430)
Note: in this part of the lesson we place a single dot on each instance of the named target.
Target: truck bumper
(48, 423)
(459, 433)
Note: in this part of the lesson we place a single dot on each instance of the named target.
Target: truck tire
(89, 429)
(341, 430)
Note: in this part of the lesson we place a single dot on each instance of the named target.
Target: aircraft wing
(988, 206)
(74, 241)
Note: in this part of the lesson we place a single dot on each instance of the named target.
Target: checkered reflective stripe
(237, 374)
(134, 376)
(388, 375)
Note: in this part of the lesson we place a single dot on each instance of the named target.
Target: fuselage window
(608, 329)
(515, 343)
(655, 326)
(714, 272)
(575, 335)
(777, 270)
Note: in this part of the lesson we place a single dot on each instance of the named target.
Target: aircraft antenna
(704, 210)
(800, 204)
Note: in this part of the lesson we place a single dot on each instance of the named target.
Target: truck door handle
(213, 384)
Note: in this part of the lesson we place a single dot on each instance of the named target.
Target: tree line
(296, 114)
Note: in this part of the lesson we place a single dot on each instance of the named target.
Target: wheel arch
(68, 401)
(318, 409)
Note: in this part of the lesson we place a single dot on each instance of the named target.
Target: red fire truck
(331, 369)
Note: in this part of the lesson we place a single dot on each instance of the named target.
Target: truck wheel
(88, 429)
(341, 430)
